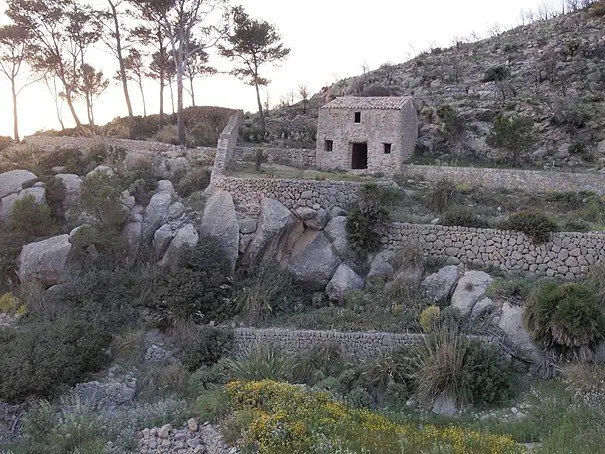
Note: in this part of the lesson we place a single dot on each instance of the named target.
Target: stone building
(373, 134)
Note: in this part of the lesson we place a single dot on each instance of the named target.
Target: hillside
(552, 72)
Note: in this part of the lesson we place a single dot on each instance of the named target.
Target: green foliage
(77, 428)
(565, 319)
(210, 345)
(262, 364)
(430, 318)
(390, 366)
(514, 289)
(201, 290)
(191, 181)
(55, 196)
(463, 217)
(452, 125)
(268, 289)
(32, 219)
(596, 283)
(571, 117)
(314, 365)
(443, 195)
(535, 225)
(496, 74)
(512, 133)
(10, 304)
(100, 198)
(367, 221)
(50, 355)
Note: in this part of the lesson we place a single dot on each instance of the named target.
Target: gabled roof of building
(369, 102)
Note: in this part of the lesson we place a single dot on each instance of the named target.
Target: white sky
(330, 39)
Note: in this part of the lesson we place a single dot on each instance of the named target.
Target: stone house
(371, 134)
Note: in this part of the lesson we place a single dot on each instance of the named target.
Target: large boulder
(161, 239)
(336, 232)
(220, 221)
(158, 210)
(314, 219)
(516, 334)
(344, 280)
(73, 187)
(184, 241)
(381, 267)
(272, 237)
(438, 286)
(7, 203)
(470, 290)
(45, 260)
(314, 262)
(132, 235)
(15, 181)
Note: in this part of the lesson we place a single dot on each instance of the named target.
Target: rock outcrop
(183, 242)
(470, 290)
(220, 221)
(315, 262)
(439, 286)
(344, 280)
(45, 261)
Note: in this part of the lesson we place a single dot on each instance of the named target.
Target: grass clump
(443, 195)
(565, 319)
(463, 217)
(535, 225)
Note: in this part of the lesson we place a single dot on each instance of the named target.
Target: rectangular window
(328, 145)
(387, 148)
(357, 117)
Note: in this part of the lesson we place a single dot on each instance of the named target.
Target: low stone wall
(527, 180)
(327, 194)
(289, 342)
(50, 143)
(300, 158)
(567, 254)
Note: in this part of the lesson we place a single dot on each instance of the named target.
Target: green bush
(267, 290)
(463, 217)
(55, 196)
(452, 125)
(210, 345)
(535, 225)
(367, 221)
(31, 219)
(100, 198)
(565, 319)
(47, 356)
(496, 74)
(443, 195)
(512, 133)
(191, 181)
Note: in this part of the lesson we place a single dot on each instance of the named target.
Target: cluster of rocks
(16, 185)
(194, 438)
(116, 389)
(10, 421)
(156, 354)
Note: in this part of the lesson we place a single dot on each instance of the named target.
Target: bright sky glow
(330, 39)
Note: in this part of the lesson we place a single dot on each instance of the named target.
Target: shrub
(451, 123)
(596, 283)
(283, 418)
(496, 74)
(440, 365)
(210, 345)
(367, 221)
(55, 196)
(31, 219)
(430, 318)
(311, 366)
(514, 289)
(463, 217)
(100, 198)
(410, 256)
(267, 290)
(388, 367)
(535, 225)
(10, 304)
(50, 355)
(565, 319)
(263, 364)
(514, 134)
(442, 196)
(194, 180)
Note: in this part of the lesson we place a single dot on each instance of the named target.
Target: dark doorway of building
(360, 156)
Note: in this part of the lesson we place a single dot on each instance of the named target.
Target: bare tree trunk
(179, 115)
(162, 78)
(123, 77)
(15, 116)
(171, 96)
(91, 121)
(192, 92)
(70, 104)
(143, 98)
(259, 152)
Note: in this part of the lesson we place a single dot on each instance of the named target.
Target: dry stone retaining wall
(567, 254)
(300, 158)
(226, 146)
(526, 180)
(327, 194)
(290, 342)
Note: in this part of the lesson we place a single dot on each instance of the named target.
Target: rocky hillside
(551, 72)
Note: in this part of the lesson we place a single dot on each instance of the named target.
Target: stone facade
(301, 158)
(372, 134)
(568, 255)
(327, 194)
(360, 345)
(526, 180)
